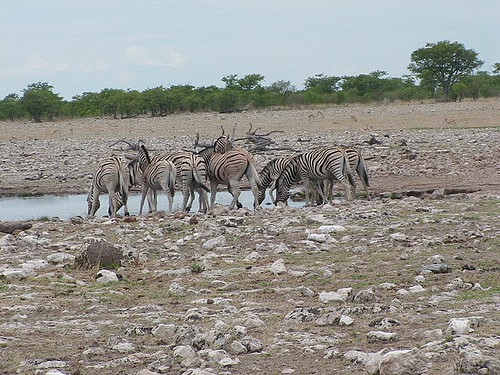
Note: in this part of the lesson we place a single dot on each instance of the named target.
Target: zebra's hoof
(127, 213)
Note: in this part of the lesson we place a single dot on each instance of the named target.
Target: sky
(83, 46)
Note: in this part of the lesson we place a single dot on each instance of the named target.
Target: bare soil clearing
(275, 291)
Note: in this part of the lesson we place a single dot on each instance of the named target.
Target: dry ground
(436, 184)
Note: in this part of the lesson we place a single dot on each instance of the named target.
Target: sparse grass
(483, 295)
(197, 268)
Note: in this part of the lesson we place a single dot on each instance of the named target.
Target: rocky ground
(407, 283)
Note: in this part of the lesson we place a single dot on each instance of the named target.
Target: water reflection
(67, 206)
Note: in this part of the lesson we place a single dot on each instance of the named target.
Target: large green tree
(40, 101)
(443, 63)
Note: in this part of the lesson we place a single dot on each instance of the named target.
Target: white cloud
(170, 58)
(36, 64)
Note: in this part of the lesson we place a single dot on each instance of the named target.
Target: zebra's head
(134, 172)
(282, 192)
(223, 144)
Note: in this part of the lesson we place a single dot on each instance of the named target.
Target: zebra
(357, 163)
(188, 177)
(223, 144)
(321, 164)
(112, 176)
(268, 176)
(156, 175)
(117, 196)
(199, 174)
(228, 168)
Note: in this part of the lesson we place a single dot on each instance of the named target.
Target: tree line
(443, 70)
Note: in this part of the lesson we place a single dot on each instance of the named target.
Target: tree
(231, 81)
(40, 101)
(284, 88)
(496, 68)
(443, 63)
(322, 84)
(250, 81)
(11, 107)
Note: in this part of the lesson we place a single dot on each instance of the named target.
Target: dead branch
(202, 145)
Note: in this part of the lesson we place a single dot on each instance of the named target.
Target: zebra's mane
(146, 154)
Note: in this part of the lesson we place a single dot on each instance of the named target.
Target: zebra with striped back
(112, 176)
(268, 176)
(156, 175)
(228, 168)
(188, 176)
(313, 167)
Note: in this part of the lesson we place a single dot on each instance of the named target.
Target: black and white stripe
(228, 168)
(313, 167)
(113, 176)
(268, 176)
(156, 175)
(357, 163)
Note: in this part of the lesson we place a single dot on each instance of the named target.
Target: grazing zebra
(116, 196)
(229, 168)
(112, 176)
(322, 164)
(156, 175)
(268, 176)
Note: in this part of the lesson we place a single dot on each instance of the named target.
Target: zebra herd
(222, 163)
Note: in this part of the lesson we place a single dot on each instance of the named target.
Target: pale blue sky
(88, 45)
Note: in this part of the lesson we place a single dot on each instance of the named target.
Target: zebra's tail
(123, 187)
(90, 199)
(199, 180)
(346, 169)
(362, 173)
(172, 175)
(252, 174)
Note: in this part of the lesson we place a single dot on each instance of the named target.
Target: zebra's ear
(131, 157)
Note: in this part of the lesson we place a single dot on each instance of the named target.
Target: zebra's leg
(191, 199)
(203, 200)
(154, 206)
(235, 192)
(307, 189)
(320, 190)
(170, 199)
(213, 192)
(255, 192)
(186, 195)
(143, 197)
(112, 205)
